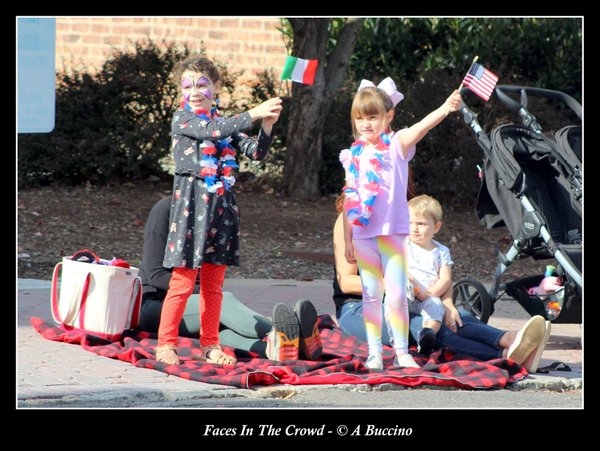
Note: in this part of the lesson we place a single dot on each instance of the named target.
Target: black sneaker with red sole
(311, 346)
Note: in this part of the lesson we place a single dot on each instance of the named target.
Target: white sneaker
(529, 337)
(532, 362)
(375, 362)
(406, 361)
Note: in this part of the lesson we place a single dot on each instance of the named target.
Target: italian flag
(300, 70)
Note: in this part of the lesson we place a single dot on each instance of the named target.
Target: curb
(112, 396)
(133, 396)
(548, 383)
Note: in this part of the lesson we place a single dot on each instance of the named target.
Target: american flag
(481, 81)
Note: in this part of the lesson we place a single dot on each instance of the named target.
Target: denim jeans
(475, 339)
(351, 321)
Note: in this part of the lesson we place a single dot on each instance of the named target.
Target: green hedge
(114, 125)
(110, 126)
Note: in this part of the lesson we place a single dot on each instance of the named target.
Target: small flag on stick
(481, 81)
(300, 70)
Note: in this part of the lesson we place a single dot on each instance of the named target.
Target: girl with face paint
(204, 219)
(197, 90)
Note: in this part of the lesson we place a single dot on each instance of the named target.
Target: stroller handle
(469, 117)
(511, 176)
(503, 90)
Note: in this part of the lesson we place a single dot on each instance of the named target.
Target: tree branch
(339, 58)
(295, 23)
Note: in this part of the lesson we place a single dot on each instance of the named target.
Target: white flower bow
(386, 85)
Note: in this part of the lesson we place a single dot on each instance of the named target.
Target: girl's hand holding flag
(479, 80)
(453, 102)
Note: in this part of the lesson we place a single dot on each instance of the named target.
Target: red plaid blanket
(342, 362)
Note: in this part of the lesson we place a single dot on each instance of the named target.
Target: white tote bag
(100, 299)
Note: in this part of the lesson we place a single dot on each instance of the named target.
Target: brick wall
(252, 43)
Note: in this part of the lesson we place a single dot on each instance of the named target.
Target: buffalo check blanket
(342, 362)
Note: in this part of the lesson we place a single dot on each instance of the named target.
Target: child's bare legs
(432, 310)
(433, 325)
(426, 340)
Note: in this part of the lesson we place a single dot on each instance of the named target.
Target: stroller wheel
(472, 296)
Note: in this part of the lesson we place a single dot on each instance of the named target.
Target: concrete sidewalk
(50, 371)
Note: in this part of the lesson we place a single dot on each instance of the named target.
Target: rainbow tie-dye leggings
(383, 270)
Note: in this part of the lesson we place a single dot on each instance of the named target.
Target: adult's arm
(155, 239)
(349, 252)
(346, 273)
(451, 316)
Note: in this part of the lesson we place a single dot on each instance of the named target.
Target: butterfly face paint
(191, 82)
(186, 88)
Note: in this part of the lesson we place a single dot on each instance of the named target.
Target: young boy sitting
(429, 269)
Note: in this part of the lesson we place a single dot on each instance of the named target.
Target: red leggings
(181, 287)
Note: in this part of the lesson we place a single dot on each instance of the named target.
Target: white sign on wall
(36, 38)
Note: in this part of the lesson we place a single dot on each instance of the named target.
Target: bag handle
(134, 314)
(137, 305)
(76, 300)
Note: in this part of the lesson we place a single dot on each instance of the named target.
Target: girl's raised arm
(412, 135)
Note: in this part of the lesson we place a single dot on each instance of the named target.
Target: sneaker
(310, 340)
(283, 342)
(528, 338)
(532, 362)
(405, 361)
(374, 362)
(425, 341)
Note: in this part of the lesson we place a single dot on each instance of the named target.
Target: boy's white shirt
(424, 265)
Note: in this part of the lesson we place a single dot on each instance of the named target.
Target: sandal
(214, 354)
(167, 354)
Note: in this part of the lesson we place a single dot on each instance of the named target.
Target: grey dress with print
(205, 226)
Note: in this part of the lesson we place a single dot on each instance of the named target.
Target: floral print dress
(204, 224)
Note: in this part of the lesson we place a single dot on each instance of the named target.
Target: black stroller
(532, 184)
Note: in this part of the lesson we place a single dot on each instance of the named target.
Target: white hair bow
(386, 85)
